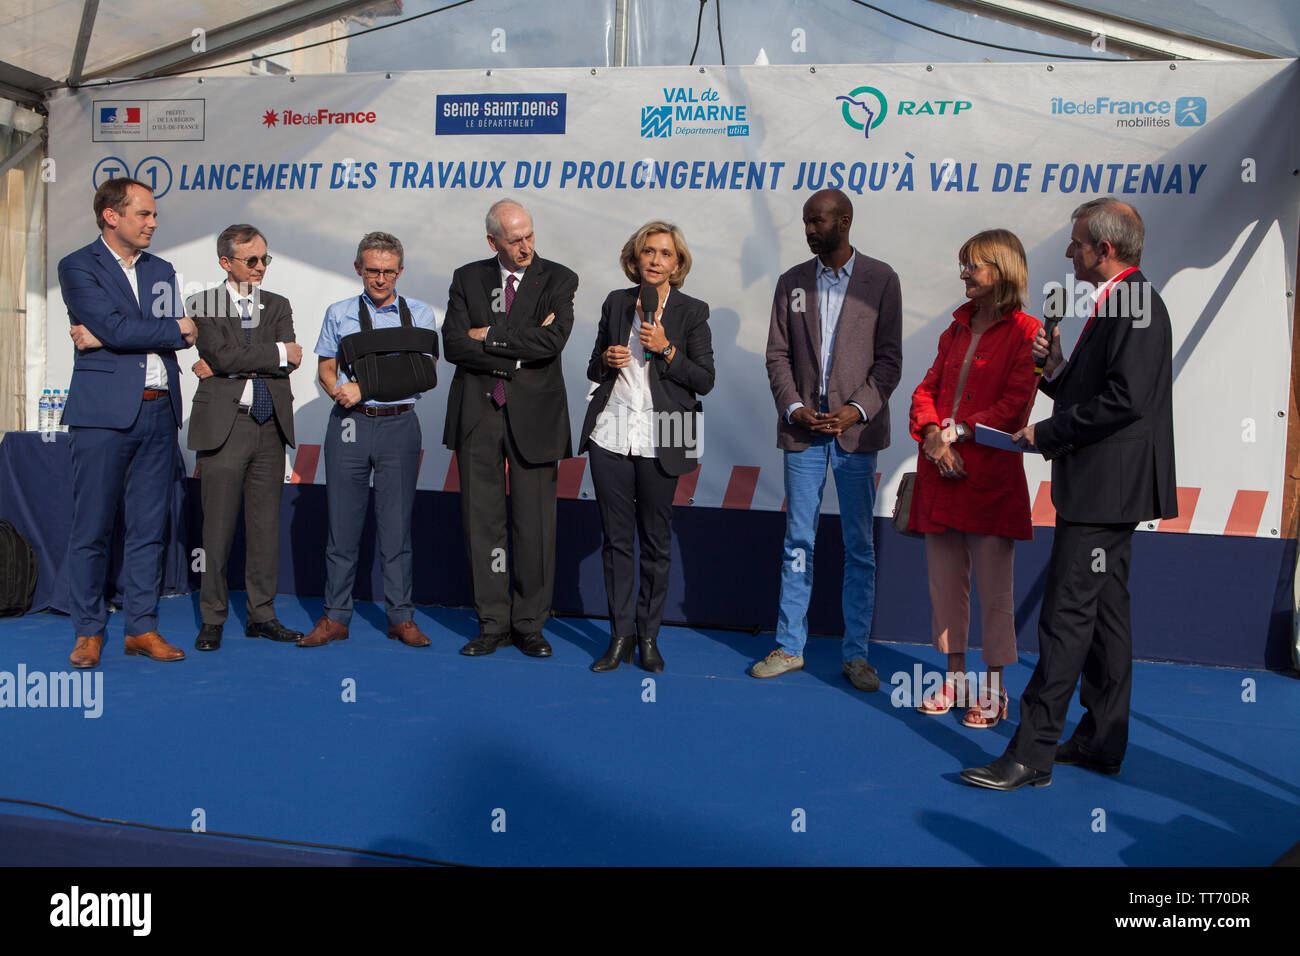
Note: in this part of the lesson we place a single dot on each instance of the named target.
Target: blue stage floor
(509, 760)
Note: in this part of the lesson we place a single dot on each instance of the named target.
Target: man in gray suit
(834, 356)
(240, 423)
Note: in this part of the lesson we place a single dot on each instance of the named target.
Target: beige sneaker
(777, 663)
(861, 675)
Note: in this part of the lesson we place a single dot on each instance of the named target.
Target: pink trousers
(952, 558)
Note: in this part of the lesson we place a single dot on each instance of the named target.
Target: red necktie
(499, 393)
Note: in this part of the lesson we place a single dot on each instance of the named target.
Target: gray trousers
(248, 468)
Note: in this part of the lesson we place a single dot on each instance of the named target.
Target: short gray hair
(381, 242)
(493, 222)
(1118, 223)
(238, 234)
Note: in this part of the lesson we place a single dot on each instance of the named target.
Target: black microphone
(1053, 311)
(649, 305)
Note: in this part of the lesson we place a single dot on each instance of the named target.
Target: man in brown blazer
(240, 423)
(834, 356)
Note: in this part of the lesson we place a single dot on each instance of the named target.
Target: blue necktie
(263, 407)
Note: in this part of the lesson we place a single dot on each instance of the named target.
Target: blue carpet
(507, 760)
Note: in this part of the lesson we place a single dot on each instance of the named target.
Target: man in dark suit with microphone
(241, 421)
(508, 319)
(1111, 443)
(123, 412)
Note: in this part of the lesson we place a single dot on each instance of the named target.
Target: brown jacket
(867, 360)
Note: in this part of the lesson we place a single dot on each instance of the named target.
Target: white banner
(929, 156)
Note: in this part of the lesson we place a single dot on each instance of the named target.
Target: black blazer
(535, 397)
(221, 344)
(673, 386)
(1111, 435)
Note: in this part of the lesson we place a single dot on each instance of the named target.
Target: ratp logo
(1190, 111)
(656, 121)
(868, 105)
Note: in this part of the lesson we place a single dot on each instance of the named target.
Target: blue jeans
(805, 481)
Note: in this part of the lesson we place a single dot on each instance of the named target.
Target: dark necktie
(499, 392)
(263, 407)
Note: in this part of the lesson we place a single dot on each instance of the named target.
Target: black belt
(380, 411)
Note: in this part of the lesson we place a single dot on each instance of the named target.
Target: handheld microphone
(1053, 311)
(649, 305)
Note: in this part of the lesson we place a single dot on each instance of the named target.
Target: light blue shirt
(832, 287)
(341, 320)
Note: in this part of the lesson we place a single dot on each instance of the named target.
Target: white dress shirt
(626, 426)
(248, 305)
(155, 373)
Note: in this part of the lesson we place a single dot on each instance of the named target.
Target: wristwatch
(667, 352)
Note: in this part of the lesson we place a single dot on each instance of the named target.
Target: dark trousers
(635, 496)
(248, 468)
(528, 555)
(133, 469)
(355, 445)
(1083, 630)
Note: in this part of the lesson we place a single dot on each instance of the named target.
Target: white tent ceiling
(49, 44)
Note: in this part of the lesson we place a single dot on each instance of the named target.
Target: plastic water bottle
(43, 416)
(56, 411)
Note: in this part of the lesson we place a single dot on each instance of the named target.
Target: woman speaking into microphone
(653, 356)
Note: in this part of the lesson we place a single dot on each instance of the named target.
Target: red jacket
(993, 497)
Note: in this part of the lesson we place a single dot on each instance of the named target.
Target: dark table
(36, 498)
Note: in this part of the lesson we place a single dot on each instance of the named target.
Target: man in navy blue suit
(123, 412)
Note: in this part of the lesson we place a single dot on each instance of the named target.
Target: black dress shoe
(485, 644)
(651, 659)
(534, 645)
(620, 651)
(209, 638)
(273, 630)
(1007, 773)
(1072, 755)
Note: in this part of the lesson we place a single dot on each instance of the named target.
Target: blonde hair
(632, 252)
(1000, 249)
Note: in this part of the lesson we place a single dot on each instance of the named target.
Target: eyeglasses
(388, 274)
(965, 267)
(252, 261)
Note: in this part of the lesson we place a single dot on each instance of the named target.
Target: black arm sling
(390, 364)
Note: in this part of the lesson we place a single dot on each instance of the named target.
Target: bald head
(510, 234)
(833, 200)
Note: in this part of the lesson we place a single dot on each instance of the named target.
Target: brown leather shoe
(409, 634)
(151, 645)
(324, 632)
(86, 653)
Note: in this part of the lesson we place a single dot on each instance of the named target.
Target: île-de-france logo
(864, 108)
(269, 118)
(1190, 111)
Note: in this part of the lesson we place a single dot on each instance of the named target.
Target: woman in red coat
(971, 501)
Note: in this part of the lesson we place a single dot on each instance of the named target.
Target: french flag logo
(117, 114)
